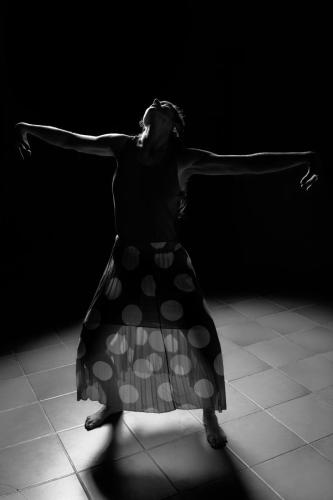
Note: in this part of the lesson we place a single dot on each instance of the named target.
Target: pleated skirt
(148, 342)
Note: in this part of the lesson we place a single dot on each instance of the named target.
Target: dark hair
(179, 120)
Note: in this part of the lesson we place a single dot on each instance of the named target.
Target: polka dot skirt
(148, 342)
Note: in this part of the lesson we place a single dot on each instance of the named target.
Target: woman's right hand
(21, 140)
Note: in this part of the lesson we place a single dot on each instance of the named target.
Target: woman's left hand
(310, 177)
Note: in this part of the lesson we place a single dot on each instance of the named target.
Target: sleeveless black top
(146, 198)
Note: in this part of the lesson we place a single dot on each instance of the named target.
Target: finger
(21, 153)
(313, 178)
(303, 179)
(26, 148)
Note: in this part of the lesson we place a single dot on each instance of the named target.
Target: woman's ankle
(208, 411)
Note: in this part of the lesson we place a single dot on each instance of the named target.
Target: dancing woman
(148, 342)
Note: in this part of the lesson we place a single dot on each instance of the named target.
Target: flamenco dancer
(148, 342)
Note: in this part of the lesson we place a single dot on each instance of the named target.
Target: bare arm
(102, 145)
(199, 161)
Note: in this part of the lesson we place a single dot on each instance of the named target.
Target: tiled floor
(278, 359)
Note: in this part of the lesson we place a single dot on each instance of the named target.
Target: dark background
(249, 79)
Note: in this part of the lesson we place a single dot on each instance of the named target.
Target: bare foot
(216, 436)
(97, 419)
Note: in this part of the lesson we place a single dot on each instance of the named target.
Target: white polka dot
(198, 336)
(184, 282)
(165, 391)
(117, 343)
(131, 315)
(204, 388)
(148, 285)
(156, 340)
(158, 244)
(189, 262)
(130, 258)
(113, 289)
(142, 368)
(81, 349)
(171, 343)
(128, 393)
(181, 364)
(164, 260)
(218, 364)
(171, 310)
(94, 319)
(141, 336)
(156, 361)
(178, 246)
(102, 370)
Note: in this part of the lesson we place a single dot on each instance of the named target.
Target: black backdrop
(254, 79)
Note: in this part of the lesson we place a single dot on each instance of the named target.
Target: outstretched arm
(199, 161)
(102, 145)
(204, 162)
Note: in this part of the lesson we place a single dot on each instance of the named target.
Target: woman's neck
(154, 140)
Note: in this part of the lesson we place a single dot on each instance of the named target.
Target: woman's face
(159, 113)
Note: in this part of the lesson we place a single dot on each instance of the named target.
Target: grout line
(267, 484)
(147, 450)
(56, 434)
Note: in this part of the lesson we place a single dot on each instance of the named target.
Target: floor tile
(9, 367)
(33, 462)
(229, 297)
(301, 474)
(54, 382)
(315, 372)
(256, 307)
(255, 487)
(239, 363)
(87, 448)
(190, 461)
(290, 301)
(70, 333)
(259, 437)
(328, 355)
(308, 416)
(22, 424)
(319, 313)
(43, 340)
(325, 394)
(15, 392)
(318, 339)
(278, 352)
(13, 496)
(45, 358)
(131, 478)
(286, 322)
(247, 333)
(153, 429)
(72, 348)
(226, 315)
(325, 446)
(329, 325)
(65, 488)
(237, 406)
(269, 388)
(226, 344)
(65, 412)
(231, 486)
